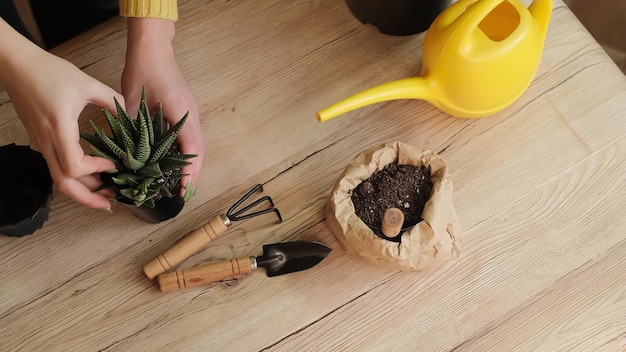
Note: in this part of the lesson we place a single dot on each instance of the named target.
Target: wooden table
(540, 189)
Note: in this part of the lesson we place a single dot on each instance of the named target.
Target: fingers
(80, 188)
(92, 182)
(71, 169)
(71, 157)
(192, 171)
(74, 189)
(190, 139)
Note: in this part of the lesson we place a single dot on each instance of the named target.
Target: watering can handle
(469, 20)
(541, 10)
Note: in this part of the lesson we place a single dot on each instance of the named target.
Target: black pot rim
(31, 181)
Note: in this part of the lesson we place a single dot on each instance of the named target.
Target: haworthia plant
(142, 151)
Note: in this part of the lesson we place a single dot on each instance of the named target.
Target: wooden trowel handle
(187, 246)
(206, 273)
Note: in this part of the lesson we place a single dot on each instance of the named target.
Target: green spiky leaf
(169, 163)
(110, 144)
(143, 186)
(125, 120)
(123, 137)
(126, 178)
(148, 200)
(167, 140)
(145, 113)
(132, 163)
(142, 152)
(166, 192)
(151, 170)
(149, 203)
(108, 156)
(181, 157)
(133, 194)
(119, 181)
(177, 175)
(93, 140)
(115, 127)
(158, 123)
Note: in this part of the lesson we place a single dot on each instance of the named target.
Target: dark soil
(405, 187)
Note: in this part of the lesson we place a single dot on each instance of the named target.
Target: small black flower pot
(398, 17)
(25, 190)
(164, 208)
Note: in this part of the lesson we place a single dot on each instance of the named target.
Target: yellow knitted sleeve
(166, 9)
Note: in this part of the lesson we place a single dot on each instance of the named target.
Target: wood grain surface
(540, 190)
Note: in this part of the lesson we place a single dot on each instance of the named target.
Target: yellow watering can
(478, 57)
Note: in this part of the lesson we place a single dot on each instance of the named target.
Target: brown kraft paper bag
(433, 241)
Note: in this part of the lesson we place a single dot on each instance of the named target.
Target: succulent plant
(144, 151)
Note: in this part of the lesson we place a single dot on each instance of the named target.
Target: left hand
(150, 65)
(49, 94)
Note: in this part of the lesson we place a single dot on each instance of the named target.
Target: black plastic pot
(398, 17)
(25, 190)
(164, 208)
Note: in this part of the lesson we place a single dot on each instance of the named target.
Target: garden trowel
(277, 259)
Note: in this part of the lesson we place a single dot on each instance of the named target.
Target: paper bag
(433, 241)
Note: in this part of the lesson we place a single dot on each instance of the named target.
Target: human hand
(48, 94)
(151, 65)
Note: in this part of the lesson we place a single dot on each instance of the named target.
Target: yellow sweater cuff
(166, 9)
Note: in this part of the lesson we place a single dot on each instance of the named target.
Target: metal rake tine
(252, 205)
(258, 187)
(260, 212)
(235, 215)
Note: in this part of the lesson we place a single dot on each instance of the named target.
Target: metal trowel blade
(289, 257)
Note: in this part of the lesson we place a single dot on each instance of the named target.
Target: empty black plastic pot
(398, 17)
(25, 190)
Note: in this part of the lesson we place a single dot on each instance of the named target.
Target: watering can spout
(541, 10)
(408, 88)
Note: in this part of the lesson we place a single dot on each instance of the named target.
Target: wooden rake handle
(206, 273)
(187, 246)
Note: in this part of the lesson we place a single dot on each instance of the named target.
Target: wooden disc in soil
(392, 222)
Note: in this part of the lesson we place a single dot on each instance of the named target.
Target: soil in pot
(405, 187)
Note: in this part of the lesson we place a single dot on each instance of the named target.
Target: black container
(164, 208)
(398, 17)
(25, 190)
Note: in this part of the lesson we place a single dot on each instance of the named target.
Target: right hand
(151, 65)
